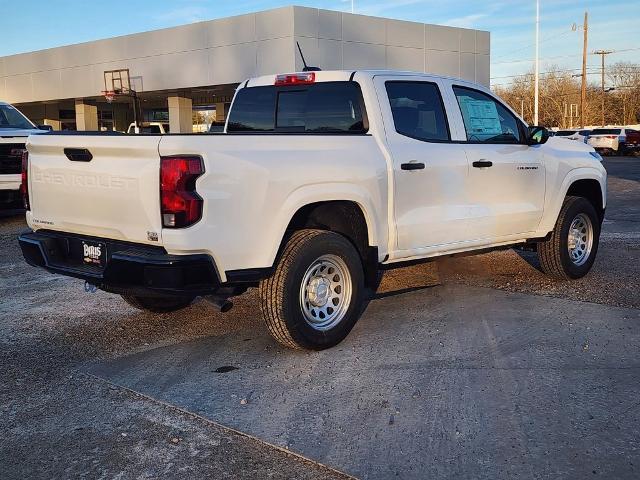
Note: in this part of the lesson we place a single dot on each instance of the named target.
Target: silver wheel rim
(580, 241)
(325, 292)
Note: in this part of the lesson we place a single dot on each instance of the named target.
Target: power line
(564, 70)
(562, 56)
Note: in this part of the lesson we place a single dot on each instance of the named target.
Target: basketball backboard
(117, 81)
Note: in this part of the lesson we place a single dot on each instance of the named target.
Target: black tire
(158, 304)
(280, 294)
(622, 150)
(554, 253)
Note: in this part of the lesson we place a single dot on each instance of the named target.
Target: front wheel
(315, 296)
(571, 250)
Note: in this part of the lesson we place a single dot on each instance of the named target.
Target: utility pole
(537, 79)
(583, 92)
(603, 53)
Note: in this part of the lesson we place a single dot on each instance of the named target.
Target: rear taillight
(612, 136)
(24, 186)
(180, 204)
(303, 78)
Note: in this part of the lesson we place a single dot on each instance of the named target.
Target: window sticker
(480, 116)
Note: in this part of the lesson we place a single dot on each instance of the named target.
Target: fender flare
(327, 192)
(581, 173)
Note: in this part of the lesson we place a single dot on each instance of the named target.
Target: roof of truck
(345, 75)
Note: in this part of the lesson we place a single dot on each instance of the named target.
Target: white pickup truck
(14, 130)
(320, 181)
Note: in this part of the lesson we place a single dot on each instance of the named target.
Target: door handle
(412, 166)
(482, 164)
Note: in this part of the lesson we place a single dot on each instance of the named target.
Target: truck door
(507, 176)
(430, 173)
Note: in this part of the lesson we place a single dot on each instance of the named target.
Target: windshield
(565, 133)
(12, 118)
(606, 131)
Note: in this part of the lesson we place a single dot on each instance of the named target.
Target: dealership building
(186, 76)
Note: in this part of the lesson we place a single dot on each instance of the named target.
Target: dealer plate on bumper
(94, 253)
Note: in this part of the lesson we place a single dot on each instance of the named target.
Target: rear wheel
(571, 250)
(158, 304)
(314, 298)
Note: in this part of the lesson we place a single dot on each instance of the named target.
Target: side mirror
(46, 128)
(538, 136)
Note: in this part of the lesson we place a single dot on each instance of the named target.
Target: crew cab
(14, 130)
(320, 181)
(149, 127)
(579, 135)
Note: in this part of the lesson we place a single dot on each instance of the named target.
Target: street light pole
(537, 66)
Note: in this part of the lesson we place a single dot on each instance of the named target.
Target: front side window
(418, 111)
(485, 119)
(325, 107)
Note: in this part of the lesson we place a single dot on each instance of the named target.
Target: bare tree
(559, 90)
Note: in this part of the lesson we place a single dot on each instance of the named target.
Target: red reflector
(303, 78)
(180, 204)
(24, 186)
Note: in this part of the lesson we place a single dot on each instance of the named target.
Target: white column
(180, 115)
(221, 113)
(86, 116)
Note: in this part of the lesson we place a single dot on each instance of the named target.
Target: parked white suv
(14, 130)
(321, 180)
(615, 140)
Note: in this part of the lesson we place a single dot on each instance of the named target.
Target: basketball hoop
(109, 95)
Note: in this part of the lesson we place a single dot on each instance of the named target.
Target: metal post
(602, 54)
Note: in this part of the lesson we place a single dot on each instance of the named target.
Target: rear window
(327, 107)
(606, 131)
(565, 133)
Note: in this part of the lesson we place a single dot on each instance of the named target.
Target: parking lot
(469, 367)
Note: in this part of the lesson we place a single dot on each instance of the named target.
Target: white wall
(336, 40)
(232, 49)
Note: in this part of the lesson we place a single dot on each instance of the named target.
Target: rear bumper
(129, 268)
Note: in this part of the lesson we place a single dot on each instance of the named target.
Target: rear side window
(327, 107)
(418, 111)
(253, 110)
(485, 119)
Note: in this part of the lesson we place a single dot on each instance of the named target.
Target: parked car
(320, 181)
(615, 140)
(149, 127)
(14, 130)
(579, 135)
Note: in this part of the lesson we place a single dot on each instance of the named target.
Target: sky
(613, 24)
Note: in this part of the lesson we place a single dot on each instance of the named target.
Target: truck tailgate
(115, 194)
